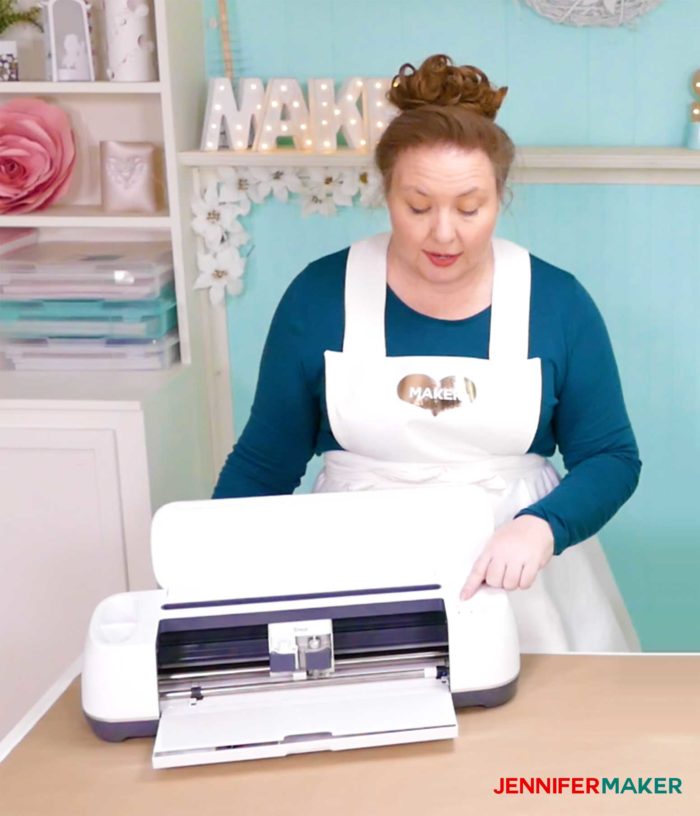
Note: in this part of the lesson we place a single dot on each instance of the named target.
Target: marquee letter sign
(255, 117)
(224, 113)
(284, 114)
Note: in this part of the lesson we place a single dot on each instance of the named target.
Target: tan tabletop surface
(573, 716)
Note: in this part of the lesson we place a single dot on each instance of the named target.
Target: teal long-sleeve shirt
(582, 407)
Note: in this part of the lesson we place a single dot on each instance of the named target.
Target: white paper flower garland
(228, 193)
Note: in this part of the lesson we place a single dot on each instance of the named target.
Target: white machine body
(291, 624)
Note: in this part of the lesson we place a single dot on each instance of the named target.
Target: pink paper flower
(37, 154)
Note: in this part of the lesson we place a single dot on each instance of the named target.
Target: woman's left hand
(513, 556)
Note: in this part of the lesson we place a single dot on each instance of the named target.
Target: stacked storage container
(87, 306)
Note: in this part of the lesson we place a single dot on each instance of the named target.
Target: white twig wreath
(592, 12)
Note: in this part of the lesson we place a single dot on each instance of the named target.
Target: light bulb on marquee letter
(284, 96)
(352, 122)
(323, 119)
(331, 112)
(237, 120)
(378, 110)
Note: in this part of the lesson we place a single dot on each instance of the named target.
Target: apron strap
(510, 302)
(365, 297)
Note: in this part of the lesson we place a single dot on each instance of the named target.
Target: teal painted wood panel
(548, 86)
(637, 249)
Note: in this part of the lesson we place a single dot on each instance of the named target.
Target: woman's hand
(513, 556)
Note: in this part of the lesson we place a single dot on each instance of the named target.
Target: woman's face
(443, 204)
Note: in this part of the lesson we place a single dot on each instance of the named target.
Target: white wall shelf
(607, 165)
(274, 158)
(86, 217)
(40, 88)
(533, 165)
(81, 390)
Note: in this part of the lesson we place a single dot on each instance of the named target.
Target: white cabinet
(80, 478)
(62, 550)
(87, 457)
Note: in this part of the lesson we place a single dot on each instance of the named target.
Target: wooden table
(573, 716)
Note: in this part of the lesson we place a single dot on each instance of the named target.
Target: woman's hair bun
(439, 81)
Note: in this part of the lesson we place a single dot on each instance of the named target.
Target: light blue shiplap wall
(636, 249)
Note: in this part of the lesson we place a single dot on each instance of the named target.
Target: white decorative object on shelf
(223, 114)
(331, 114)
(283, 96)
(227, 193)
(592, 12)
(359, 112)
(8, 61)
(12, 14)
(68, 42)
(128, 177)
(378, 111)
(131, 48)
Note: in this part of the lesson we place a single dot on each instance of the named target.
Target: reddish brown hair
(444, 104)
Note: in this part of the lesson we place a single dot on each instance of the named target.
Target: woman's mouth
(439, 259)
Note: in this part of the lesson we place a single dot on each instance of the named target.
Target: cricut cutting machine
(292, 624)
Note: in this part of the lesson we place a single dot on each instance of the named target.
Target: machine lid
(279, 722)
(274, 546)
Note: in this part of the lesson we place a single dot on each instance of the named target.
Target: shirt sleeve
(272, 453)
(592, 431)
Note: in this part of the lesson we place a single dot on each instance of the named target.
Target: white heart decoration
(124, 173)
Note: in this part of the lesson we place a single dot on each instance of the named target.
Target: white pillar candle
(131, 49)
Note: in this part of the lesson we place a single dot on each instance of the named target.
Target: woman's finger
(528, 575)
(511, 578)
(496, 572)
(476, 577)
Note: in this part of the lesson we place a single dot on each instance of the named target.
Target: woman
(437, 354)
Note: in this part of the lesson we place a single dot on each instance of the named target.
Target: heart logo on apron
(424, 392)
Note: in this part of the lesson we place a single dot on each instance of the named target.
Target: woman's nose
(443, 228)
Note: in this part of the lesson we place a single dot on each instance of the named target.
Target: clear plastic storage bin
(148, 319)
(66, 270)
(82, 354)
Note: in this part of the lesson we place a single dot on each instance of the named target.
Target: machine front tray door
(272, 723)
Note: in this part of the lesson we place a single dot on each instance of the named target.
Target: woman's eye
(417, 211)
(468, 212)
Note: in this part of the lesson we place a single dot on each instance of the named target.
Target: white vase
(131, 48)
(9, 71)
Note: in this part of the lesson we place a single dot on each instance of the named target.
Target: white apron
(408, 421)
